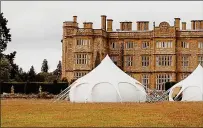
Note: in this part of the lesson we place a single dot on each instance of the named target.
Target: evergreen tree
(5, 36)
(11, 57)
(20, 71)
(45, 66)
(14, 67)
(31, 74)
(19, 75)
(58, 70)
(4, 69)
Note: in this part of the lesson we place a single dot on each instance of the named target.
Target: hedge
(33, 87)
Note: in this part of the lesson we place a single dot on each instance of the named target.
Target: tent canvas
(107, 83)
(191, 87)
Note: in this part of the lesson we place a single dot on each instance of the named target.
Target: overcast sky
(36, 27)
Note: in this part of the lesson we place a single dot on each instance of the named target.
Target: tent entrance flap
(176, 91)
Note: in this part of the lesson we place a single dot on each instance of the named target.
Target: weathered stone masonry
(172, 51)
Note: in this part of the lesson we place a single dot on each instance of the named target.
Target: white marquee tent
(107, 83)
(191, 88)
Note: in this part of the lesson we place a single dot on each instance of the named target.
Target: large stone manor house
(153, 57)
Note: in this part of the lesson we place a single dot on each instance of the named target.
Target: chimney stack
(142, 25)
(88, 25)
(146, 24)
(109, 25)
(121, 26)
(201, 24)
(75, 19)
(193, 25)
(183, 25)
(103, 22)
(198, 24)
(129, 26)
(126, 26)
(138, 26)
(177, 23)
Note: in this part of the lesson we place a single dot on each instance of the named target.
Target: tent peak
(199, 65)
(107, 56)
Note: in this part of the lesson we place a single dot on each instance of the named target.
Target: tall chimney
(129, 26)
(109, 25)
(198, 24)
(142, 25)
(138, 26)
(125, 26)
(146, 25)
(201, 24)
(121, 26)
(193, 25)
(88, 25)
(183, 25)
(177, 23)
(74, 18)
(103, 22)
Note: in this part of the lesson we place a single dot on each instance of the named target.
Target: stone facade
(166, 53)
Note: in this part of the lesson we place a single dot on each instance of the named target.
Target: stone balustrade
(190, 33)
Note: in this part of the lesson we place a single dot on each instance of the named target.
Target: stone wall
(101, 41)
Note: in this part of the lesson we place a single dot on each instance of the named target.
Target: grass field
(44, 113)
